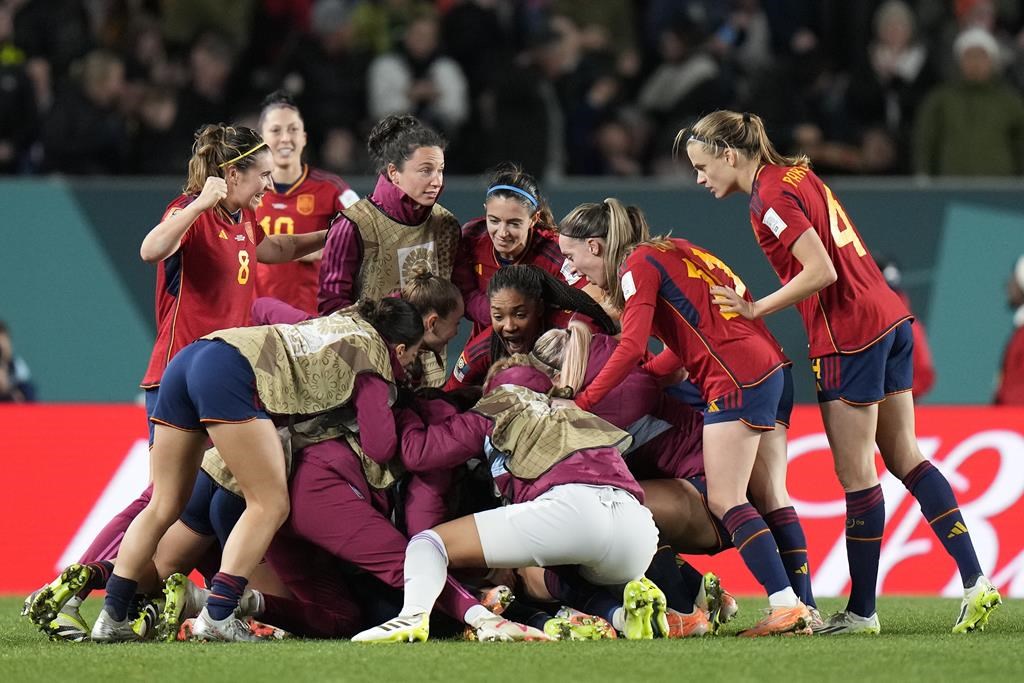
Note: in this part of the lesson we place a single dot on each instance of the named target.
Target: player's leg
(897, 442)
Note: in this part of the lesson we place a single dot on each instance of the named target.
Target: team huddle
(313, 459)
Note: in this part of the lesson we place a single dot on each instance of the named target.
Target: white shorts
(604, 530)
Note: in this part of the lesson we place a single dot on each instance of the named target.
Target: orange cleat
(688, 625)
(790, 621)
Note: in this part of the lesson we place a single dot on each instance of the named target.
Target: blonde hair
(218, 146)
(723, 129)
(623, 228)
(566, 353)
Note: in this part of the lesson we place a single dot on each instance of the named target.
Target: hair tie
(242, 155)
(746, 117)
(518, 190)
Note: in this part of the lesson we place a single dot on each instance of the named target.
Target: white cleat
(505, 631)
(848, 623)
(230, 630)
(414, 628)
(109, 630)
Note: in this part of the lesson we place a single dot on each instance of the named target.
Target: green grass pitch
(915, 645)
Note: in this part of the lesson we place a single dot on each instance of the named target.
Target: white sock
(426, 570)
(619, 619)
(476, 615)
(783, 598)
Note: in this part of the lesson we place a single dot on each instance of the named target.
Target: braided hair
(536, 284)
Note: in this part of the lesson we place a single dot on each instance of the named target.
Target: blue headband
(512, 188)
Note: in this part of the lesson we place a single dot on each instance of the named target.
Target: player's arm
(817, 274)
(165, 239)
(284, 248)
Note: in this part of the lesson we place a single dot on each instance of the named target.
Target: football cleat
(265, 631)
(69, 625)
(411, 629)
(145, 625)
(688, 625)
(979, 602)
(47, 602)
(718, 603)
(503, 630)
(793, 621)
(497, 599)
(848, 623)
(645, 610)
(182, 600)
(110, 630)
(816, 621)
(571, 624)
(231, 630)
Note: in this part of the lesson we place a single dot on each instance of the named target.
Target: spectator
(892, 79)
(85, 132)
(326, 74)
(686, 76)
(1011, 375)
(157, 148)
(15, 379)
(17, 99)
(205, 98)
(416, 79)
(972, 126)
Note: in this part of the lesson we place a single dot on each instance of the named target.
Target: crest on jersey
(305, 203)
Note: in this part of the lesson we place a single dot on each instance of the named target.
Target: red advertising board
(69, 468)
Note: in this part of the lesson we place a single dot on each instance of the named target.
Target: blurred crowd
(928, 87)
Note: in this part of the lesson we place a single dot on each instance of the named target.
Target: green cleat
(182, 600)
(69, 625)
(49, 601)
(570, 624)
(659, 607)
(978, 604)
(639, 611)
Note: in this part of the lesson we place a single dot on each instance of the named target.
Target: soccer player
(861, 349)
(525, 301)
(663, 288)
(374, 247)
(206, 248)
(302, 200)
(225, 387)
(517, 228)
(571, 502)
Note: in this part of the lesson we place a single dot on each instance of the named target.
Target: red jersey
(1011, 375)
(541, 251)
(208, 284)
(859, 307)
(307, 205)
(667, 291)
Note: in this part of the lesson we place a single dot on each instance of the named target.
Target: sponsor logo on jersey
(223, 235)
(239, 238)
(279, 205)
(305, 203)
(774, 222)
(628, 286)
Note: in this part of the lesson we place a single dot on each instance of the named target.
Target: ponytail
(621, 227)
(218, 146)
(745, 133)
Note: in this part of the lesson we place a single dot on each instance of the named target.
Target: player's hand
(214, 190)
(730, 302)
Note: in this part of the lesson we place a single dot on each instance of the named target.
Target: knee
(856, 475)
(274, 510)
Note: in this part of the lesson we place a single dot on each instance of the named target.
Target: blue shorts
(151, 395)
(212, 510)
(759, 406)
(207, 382)
(867, 377)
